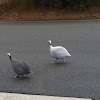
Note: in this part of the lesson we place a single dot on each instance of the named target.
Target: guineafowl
(58, 52)
(19, 67)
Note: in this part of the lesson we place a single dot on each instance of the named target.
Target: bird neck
(10, 58)
(51, 46)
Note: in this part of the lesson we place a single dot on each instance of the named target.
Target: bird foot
(53, 62)
(25, 75)
(16, 76)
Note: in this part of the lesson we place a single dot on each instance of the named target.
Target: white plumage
(58, 52)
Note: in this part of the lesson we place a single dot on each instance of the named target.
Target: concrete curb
(13, 96)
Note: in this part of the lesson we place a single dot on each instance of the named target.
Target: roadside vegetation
(49, 9)
(80, 5)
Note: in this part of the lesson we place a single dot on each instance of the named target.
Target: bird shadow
(21, 78)
(58, 64)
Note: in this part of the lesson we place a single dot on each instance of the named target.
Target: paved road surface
(27, 41)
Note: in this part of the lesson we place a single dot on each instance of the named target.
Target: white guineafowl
(58, 52)
(19, 67)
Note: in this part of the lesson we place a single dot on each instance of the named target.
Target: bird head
(49, 41)
(8, 54)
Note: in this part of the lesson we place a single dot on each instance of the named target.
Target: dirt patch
(11, 12)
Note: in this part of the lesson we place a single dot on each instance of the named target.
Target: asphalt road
(27, 41)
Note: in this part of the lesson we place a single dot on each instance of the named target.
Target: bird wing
(19, 68)
(59, 50)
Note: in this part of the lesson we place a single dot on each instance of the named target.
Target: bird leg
(17, 76)
(55, 60)
(25, 75)
(63, 60)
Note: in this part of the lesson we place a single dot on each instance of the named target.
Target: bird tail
(68, 55)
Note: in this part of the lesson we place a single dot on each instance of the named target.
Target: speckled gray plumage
(19, 67)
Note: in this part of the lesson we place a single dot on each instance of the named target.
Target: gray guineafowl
(19, 67)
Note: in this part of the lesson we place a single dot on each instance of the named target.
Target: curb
(14, 96)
